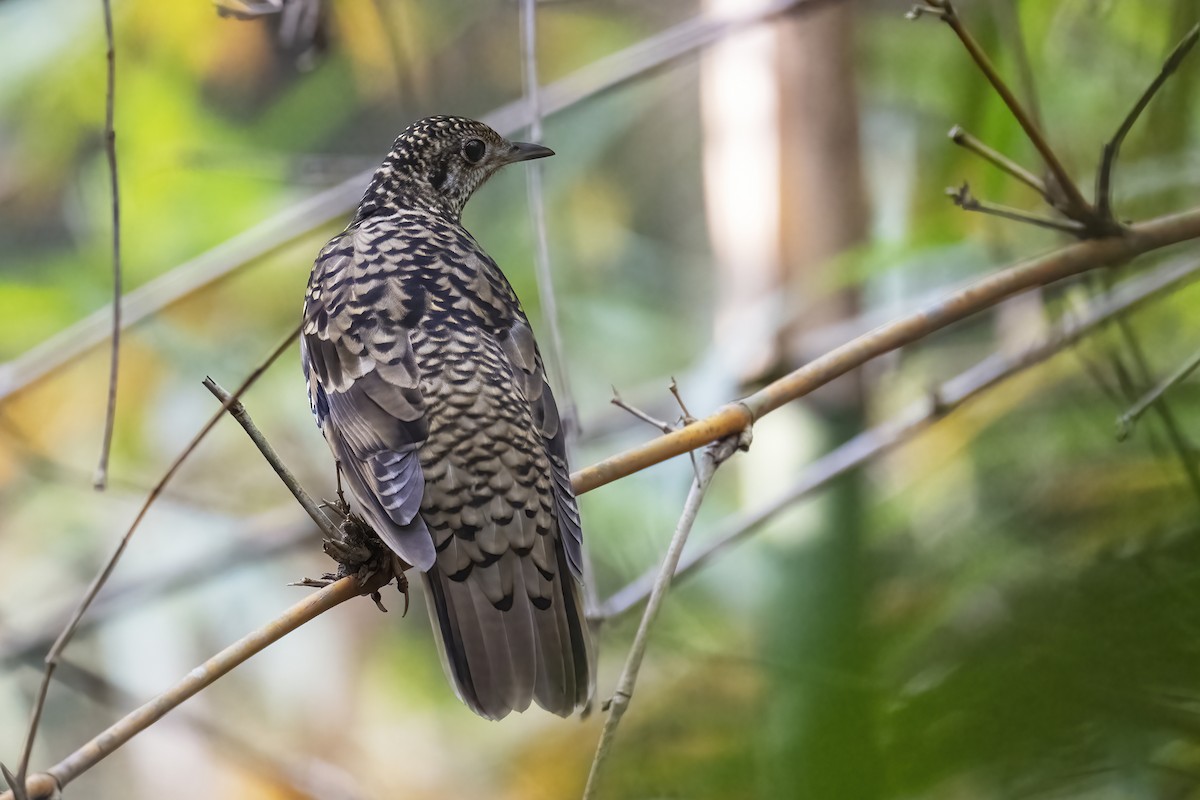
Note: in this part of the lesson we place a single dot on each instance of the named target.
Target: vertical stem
(110, 143)
(705, 470)
(545, 279)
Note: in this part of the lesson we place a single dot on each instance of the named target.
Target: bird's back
(471, 442)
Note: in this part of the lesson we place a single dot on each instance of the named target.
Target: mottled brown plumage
(424, 376)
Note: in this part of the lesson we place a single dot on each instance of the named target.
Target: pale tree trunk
(784, 190)
(821, 732)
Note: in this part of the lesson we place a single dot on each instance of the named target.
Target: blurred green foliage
(1011, 610)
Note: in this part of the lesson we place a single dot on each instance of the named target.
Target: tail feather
(501, 659)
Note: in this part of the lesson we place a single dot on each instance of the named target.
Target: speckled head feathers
(437, 163)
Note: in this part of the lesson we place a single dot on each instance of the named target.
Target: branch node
(963, 198)
(620, 403)
(918, 11)
(687, 418)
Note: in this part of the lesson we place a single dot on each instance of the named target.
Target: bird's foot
(361, 554)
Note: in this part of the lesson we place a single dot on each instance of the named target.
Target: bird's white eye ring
(473, 150)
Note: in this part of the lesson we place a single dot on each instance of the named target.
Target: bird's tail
(526, 647)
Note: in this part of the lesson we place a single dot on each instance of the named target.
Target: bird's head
(437, 164)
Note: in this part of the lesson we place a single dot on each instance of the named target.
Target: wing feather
(364, 384)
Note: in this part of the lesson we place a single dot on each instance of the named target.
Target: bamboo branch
(100, 481)
(216, 667)
(963, 198)
(1111, 149)
(1170, 424)
(1002, 162)
(984, 293)
(712, 458)
(1126, 421)
(883, 438)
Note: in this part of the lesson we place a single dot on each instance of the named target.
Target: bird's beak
(526, 151)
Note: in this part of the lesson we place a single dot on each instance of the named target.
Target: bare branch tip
(1182, 49)
(962, 197)
(17, 786)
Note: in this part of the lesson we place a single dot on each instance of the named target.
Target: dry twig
(100, 481)
(1126, 421)
(298, 777)
(1085, 221)
(1002, 162)
(713, 457)
(963, 198)
(1108, 155)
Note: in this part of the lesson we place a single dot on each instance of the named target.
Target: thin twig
(297, 777)
(535, 189)
(207, 673)
(1008, 18)
(1076, 207)
(15, 784)
(636, 412)
(1126, 421)
(100, 481)
(238, 411)
(1111, 149)
(1074, 259)
(299, 220)
(882, 438)
(537, 208)
(35, 716)
(712, 458)
(1174, 431)
(963, 198)
(997, 159)
(102, 577)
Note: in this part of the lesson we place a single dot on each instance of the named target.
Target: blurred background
(1007, 604)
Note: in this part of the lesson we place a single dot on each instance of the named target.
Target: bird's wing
(522, 351)
(364, 384)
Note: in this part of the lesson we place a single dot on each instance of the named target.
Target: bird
(425, 378)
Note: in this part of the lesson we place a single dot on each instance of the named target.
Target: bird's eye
(473, 150)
